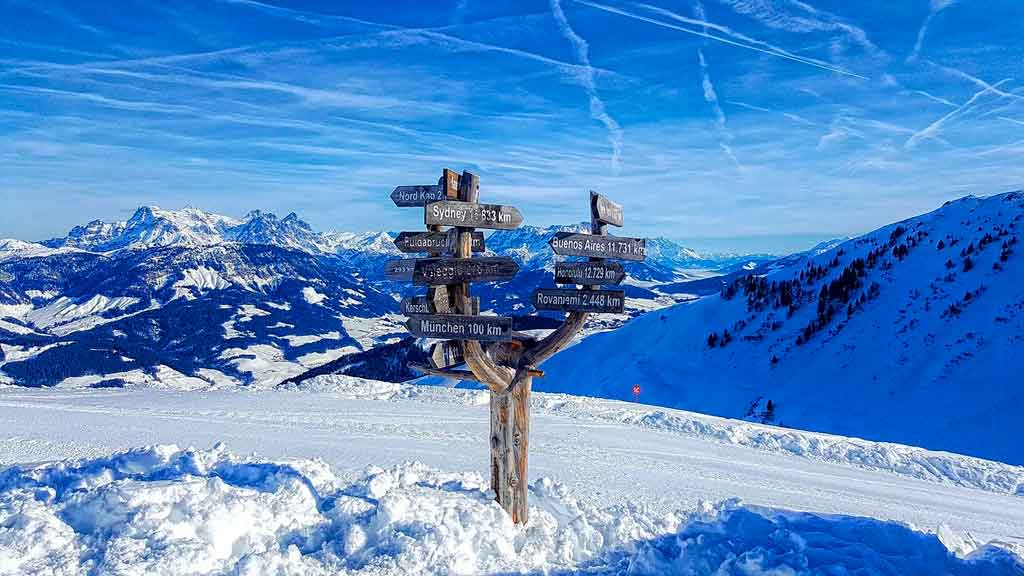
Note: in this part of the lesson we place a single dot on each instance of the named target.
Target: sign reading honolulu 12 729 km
(589, 273)
(594, 246)
(568, 300)
(461, 327)
(473, 215)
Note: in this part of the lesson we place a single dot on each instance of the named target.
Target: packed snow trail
(353, 423)
(167, 511)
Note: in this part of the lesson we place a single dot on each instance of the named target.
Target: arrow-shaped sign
(461, 327)
(416, 196)
(473, 215)
(567, 300)
(570, 244)
(605, 210)
(589, 273)
(400, 270)
(436, 271)
(424, 305)
(433, 242)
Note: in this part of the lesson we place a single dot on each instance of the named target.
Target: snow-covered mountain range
(189, 298)
(913, 333)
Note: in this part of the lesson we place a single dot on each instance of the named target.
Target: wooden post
(501, 403)
(519, 481)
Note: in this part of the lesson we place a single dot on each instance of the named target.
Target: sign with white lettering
(416, 196)
(589, 273)
(433, 242)
(436, 271)
(567, 300)
(400, 270)
(473, 215)
(461, 327)
(570, 244)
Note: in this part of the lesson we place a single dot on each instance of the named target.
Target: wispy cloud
(1011, 120)
(808, 19)
(935, 128)
(934, 8)
(934, 98)
(597, 106)
(711, 97)
(772, 52)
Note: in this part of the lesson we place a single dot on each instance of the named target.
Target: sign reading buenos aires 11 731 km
(594, 246)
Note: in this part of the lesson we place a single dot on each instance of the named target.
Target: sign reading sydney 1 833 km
(473, 215)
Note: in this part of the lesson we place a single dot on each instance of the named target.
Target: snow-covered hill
(913, 333)
(190, 299)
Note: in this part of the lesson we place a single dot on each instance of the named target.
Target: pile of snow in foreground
(162, 510)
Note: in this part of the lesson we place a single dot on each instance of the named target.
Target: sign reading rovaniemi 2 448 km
(486, 345)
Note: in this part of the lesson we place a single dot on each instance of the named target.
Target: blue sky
(728, 124)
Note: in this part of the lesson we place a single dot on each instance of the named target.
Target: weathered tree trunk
(520, 400)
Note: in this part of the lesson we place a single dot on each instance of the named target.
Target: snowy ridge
(164, 510)
(943, 467)
(899, 335)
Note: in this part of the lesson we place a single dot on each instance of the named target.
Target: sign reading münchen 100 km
(461, 327)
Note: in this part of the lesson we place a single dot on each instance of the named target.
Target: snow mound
(163, 510)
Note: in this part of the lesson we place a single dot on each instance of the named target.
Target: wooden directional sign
(461, 327)
(613, 301)
(400, 270)
(436, 271)
(473, 215)
(433, 242)
(416, 196)
(447, 354)
(605, 210)
(424, 305)
(569, 244)
(589, 273)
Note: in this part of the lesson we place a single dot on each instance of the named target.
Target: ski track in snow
(606, 452)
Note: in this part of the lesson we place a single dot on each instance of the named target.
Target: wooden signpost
(473, 215)
(600, 301)
(449, 312)
(400, 270)
(412, 242)
(443, 271)
(463, 327)
(589, 273)
(569, 244)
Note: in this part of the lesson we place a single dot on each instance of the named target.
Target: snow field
(163, 510)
